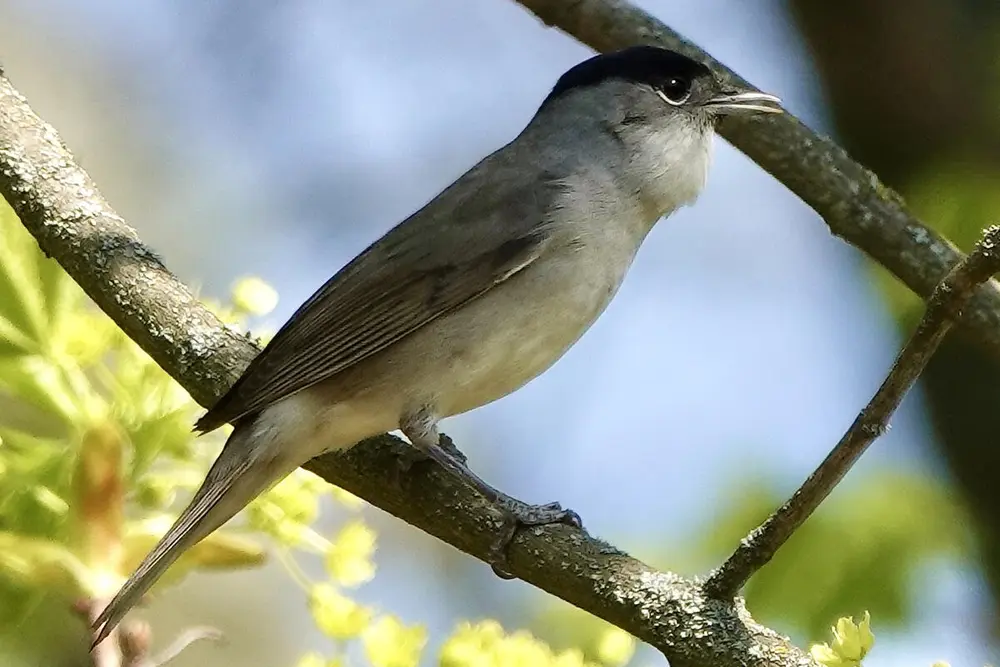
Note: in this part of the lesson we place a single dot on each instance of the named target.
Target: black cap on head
(650, 65)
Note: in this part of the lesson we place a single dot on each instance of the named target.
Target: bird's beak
(728, 103)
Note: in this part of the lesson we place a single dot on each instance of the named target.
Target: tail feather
(236, 478)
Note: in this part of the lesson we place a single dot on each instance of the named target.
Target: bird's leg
(415, 455)
(451, 449)
(421, 430)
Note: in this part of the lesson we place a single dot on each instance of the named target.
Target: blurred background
(278, 139)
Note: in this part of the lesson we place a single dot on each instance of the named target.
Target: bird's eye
(675, 90)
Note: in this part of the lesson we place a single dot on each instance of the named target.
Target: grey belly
(504, 340)
(488, 348)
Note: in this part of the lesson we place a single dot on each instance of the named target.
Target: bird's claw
(518, 515)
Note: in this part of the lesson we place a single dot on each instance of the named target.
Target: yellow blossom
(254, 296)
(389, 643)
(486, 645)
(615, 646)
(851, 643)
(336, 615)
(349, 557)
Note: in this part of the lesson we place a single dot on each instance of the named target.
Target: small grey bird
(472, 296)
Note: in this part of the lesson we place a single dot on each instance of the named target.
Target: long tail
(240, 474)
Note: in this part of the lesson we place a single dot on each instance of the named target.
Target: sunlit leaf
(41, 564)
(38, 381)
(21, 296)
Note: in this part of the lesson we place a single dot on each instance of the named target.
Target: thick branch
(849, 197)
(663, 609)
(943, 308)
(72, 222)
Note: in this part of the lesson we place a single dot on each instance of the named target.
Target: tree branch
(944, 306)
(60, 205)
(854, 203)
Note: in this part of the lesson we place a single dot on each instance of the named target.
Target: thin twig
(107, 653)
(134, 641)
(943, 309)
(183, 641)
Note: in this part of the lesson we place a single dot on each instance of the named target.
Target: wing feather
(401, 283)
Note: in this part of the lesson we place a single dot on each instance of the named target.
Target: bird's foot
(413, 456)
(518, 515)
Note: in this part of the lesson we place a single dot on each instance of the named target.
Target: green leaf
(157, 436)
(60, 294)
(35, 293)
(13, 341)
(36, 380)
(22, 299)
(31, 462)
(42, 564)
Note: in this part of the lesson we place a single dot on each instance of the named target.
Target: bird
(472, 296)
